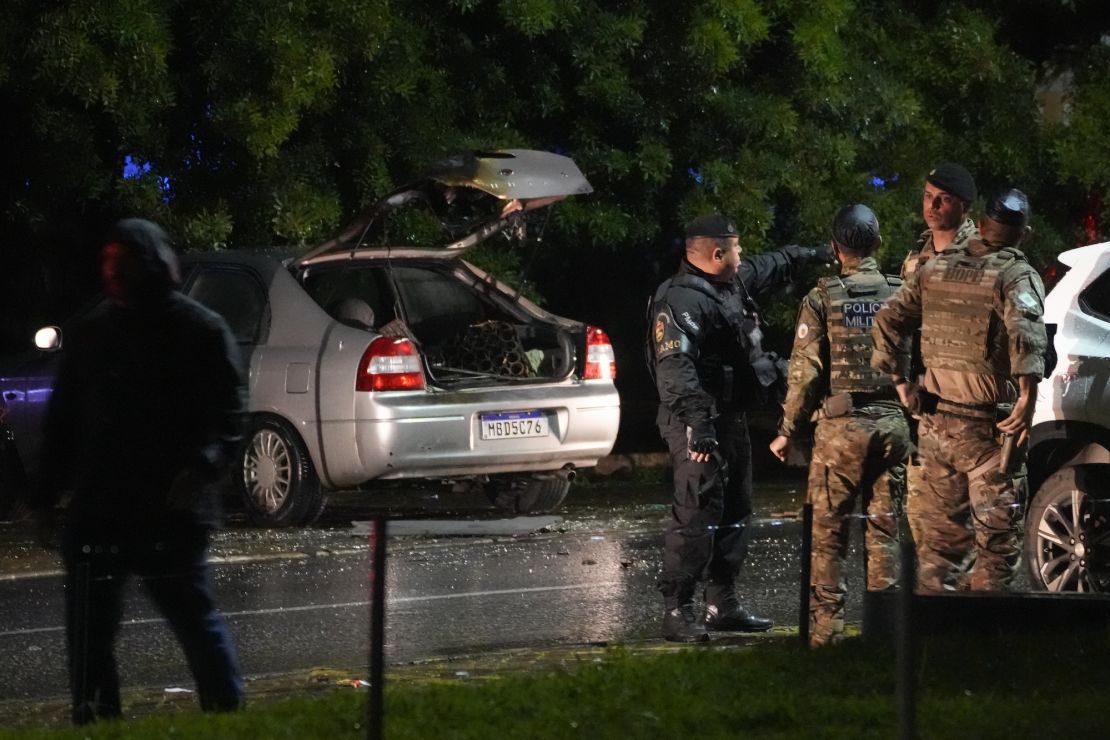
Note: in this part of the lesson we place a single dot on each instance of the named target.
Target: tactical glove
(821, 253)
(703, 445)
(824, 253)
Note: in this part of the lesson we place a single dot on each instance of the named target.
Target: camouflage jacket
(811, 360)
(1016, 316)
(923, 251)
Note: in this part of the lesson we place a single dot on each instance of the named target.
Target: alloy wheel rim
(1068, 536)
(268, 471)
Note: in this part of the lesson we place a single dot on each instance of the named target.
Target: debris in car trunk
(489, 347)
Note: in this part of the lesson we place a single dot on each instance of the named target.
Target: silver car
(374, 358)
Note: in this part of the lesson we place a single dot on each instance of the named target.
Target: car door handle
(11, 396)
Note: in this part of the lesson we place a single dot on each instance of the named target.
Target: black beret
(955, 179)
(712, 225)
(1010, 207)
(856, 227)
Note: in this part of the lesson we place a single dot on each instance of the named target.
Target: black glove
(822, 253)
(703, 445)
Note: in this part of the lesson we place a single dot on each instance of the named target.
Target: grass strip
(1005, 686)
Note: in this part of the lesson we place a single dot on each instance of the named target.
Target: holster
(923, 402)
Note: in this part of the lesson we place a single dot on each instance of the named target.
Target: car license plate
(513, 425)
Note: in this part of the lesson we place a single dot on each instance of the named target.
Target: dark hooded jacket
(143, 393)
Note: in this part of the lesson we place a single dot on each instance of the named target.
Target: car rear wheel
(279, 486)
(527, 495)
(1067, 532)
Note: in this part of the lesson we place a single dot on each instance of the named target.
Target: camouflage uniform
(980, 313)
(922, 252)
(861, 442)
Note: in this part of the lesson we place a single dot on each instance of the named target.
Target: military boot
(682, 625)
(724, 613)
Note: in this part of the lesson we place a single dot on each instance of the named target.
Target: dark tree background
(242, 123)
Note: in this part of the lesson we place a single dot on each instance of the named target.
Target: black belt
(866, 399)
(973, 411)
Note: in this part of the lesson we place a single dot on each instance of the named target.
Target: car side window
(331, 288)
(234, 294)
(1095, 298)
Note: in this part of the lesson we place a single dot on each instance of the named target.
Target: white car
(1067, 527)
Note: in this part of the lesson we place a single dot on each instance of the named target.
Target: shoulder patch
(803, 330)
(660, 326)
(669, 337)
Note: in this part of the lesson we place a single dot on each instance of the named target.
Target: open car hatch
(524, 179)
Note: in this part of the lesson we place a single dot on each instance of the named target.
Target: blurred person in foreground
(862, 438)
(980, 310)
(146, 413)
(705, 353)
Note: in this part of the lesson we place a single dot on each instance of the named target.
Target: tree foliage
(239, 123)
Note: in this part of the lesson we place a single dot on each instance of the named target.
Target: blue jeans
(173, 566)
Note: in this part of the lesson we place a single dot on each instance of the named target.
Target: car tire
(527, 495)
(1067, 532)
(278, 484)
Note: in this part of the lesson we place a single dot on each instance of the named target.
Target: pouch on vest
(838, 404)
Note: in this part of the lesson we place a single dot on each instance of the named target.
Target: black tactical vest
(731, 363)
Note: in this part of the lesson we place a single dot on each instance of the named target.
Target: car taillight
(601, 361)
(390, 364)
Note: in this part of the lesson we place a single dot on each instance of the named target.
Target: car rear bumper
(435, 434)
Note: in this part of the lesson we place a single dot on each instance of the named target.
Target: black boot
(682, 625)
(726, 614)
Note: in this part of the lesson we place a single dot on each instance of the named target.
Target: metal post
(905, 690)
(83, 709)
(807, 551)
(377, 628)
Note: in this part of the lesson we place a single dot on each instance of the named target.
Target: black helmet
(1010, 207)
(856, 228)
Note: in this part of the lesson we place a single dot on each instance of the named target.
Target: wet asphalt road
(298, 599)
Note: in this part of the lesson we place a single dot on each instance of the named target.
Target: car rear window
(1095, 298)
(439, 306)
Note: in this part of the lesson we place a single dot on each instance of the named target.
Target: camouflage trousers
(856, 458)
(964, 513)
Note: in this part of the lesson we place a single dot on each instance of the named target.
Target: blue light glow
(133, 169)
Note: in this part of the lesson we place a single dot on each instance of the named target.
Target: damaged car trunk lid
(472, 330)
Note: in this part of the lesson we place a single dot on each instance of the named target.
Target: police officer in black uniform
(709, 366)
